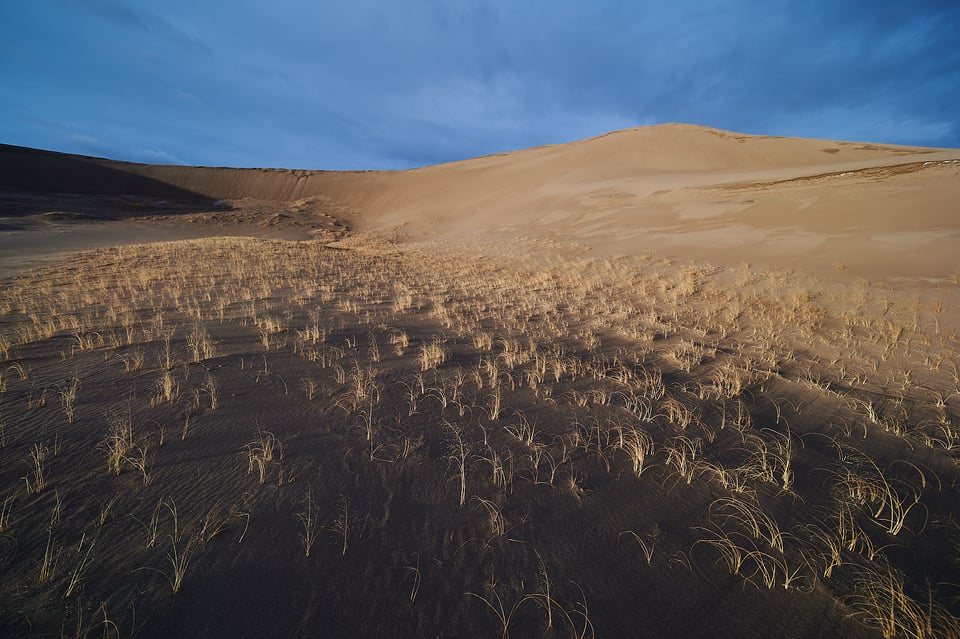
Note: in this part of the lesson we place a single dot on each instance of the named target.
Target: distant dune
(678, 189)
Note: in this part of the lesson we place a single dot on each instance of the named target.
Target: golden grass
(532, 368)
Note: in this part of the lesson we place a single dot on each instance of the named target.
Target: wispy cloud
(375, 85)
(190, 99)
(864, 123)
(136, 17)
(159, 156)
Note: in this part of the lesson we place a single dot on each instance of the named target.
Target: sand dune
(696, 192)
(477, 404)
(699, 193)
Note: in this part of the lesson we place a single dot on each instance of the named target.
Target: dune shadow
(75, 188)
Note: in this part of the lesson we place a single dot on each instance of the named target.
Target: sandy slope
(700, 193)
(459, 433)
(683, 190)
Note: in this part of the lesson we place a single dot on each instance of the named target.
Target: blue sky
(376, 84)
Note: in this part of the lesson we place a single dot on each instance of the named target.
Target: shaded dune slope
(48, 171)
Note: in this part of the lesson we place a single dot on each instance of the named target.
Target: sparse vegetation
(695, 427)
(36, 480)
(308, 518)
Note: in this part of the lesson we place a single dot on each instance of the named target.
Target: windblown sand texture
(668, 382)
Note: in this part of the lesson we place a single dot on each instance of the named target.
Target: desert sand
(670, 381)
(880, 211)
